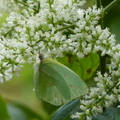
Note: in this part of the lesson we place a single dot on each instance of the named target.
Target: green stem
(65, 27)
(98, 3)
(102, 64)
(102, 58)
(26, 5)
(8, 31)
(108, 7)
(49, 4)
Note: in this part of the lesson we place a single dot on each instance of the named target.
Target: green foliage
(117, 117)
(3, 110)
(19, 111)
(45, 27)
(84, 67)
(16, 111)
(111, 113)
(66, 110)
(20, 93)
(63, 113)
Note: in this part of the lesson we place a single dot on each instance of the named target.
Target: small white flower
(82, 107)
(118, 106)
(89, 118)
(87, 111)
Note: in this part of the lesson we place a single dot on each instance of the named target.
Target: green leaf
(66, 110)
(3, 110)
(100, 117)
(57, 84)
(19, 111)
(84, 67)
(45, 27)
(117, 117)
(111, 112)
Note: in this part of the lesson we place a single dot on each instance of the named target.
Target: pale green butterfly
(57, 84)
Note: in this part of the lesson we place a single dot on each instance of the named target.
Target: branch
(98, 3)
(65, 27)
(112, 4)
(26, 5)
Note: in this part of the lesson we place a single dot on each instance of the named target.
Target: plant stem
(108, 7)
(98, 3)
(26, 5)
(102, 64)
(102, 58)
(65, 27)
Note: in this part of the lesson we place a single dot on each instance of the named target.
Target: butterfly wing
(57, 84)
(50, 85)
(76, 85)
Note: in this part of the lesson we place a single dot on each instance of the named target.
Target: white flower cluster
(9, 5)
(53, 27)
(49, 27)
(105, 94)
(107, 89)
